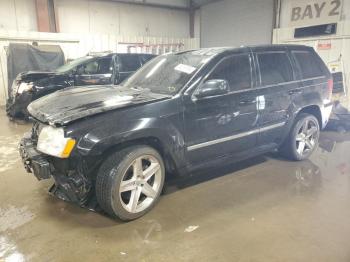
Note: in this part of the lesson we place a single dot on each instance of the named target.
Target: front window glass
(73, 64)
(235, 70)
(98, 66)
(167, 74)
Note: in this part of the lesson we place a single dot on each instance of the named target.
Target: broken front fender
(17, 107)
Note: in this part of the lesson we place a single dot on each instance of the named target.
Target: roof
(217, 50)
(107, 54)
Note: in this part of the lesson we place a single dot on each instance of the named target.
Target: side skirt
(232, 158)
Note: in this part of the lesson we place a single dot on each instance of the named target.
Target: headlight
(52, 142)
(24, 87)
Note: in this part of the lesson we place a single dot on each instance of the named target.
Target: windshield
(167, 74)
(73, 64)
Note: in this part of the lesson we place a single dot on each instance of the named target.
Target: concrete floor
(264, 209)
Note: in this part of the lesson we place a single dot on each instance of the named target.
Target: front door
(225, 124)
(95, 72)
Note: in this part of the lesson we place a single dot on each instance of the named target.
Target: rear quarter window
(310, 65)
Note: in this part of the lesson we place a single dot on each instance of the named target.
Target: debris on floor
(190, 229)
(340, 119)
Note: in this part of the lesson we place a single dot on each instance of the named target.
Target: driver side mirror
(212, 87)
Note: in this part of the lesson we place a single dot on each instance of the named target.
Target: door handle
(295, 91)
(247, 101)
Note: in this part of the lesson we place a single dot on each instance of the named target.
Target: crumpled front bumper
(33, 160)
(70, 185)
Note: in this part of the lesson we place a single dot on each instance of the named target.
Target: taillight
(330, 88)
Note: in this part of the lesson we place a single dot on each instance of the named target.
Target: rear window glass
(129, 63)
(275, 68)
(309, 65)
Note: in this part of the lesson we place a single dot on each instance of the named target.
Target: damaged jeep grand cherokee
(180, 112)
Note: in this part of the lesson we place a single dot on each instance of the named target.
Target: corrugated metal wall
(74, 46)
(108, 17)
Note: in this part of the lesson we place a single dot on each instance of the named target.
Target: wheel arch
(151, 141)
(312, 110)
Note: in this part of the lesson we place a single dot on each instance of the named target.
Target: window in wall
(236, 70)
(275, 68)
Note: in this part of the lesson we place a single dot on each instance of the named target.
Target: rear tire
(129, 182)
(302, 139)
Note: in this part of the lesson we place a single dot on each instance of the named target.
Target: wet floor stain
(9, 251)
(13, 217)
(262, 209)
(8, 152)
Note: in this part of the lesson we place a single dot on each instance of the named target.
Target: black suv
(178, 113)
(94, 69)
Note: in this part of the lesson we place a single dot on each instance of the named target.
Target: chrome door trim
(233, 137)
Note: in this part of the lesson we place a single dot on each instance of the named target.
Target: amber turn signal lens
(68, 148)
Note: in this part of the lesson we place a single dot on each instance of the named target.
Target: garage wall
(105, 17)
(237, 22)
(94, 26)
(18, 15)
(337, 50)
(117, 18)
(287, 4)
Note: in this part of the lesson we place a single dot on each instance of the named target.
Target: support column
(192, 12)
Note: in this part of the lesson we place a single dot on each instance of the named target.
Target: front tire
(303, 138)
(129, 182)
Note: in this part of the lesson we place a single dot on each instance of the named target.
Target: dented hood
(71, 104)
(32, 76)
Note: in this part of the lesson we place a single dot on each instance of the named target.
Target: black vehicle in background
(180, 112)
(94, 69)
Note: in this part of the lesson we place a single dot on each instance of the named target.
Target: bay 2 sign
(315, 12)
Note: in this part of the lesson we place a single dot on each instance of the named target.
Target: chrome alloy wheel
(307, 137)
(140, 184)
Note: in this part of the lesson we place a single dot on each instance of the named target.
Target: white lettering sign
(315, 12)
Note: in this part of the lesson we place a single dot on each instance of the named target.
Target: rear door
(225, 124)
(95, 72)
(278, 86)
